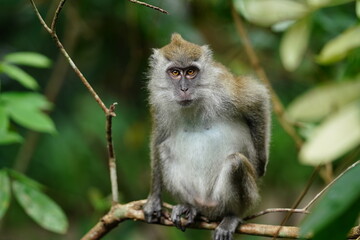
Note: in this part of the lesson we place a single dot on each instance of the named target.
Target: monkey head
(179, 72)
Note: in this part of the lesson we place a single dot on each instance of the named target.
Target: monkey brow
(183, 63)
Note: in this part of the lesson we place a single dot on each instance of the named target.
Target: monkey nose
(184, 89)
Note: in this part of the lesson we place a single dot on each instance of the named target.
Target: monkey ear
(154, 56)
(207, 53)
(176, 37)
(155, 52)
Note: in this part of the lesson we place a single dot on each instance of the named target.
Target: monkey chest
(193, 157)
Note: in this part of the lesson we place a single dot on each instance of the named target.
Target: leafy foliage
(24, 108)
(338, 209)
(334, 137)
(4, 192)
(328, 115)
(326, 102)
(339, 48)
(36, 204)
(40, 207)
(31, 59)
(19, 75)
(297, 16)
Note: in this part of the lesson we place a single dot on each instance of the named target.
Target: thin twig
(254, 60)
(297, 202)
(329, 185)
(317, 196)
(133, 211)
(51, 91)
(276, 210)
(149, 6)
(56, 15)
(111, 153)
(72, 64)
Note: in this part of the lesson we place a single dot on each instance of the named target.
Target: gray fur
(208, 154)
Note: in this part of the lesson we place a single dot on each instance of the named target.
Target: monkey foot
(187, 211)
(226, 228)
(152, 210)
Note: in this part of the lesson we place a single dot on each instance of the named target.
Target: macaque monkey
(210, 137)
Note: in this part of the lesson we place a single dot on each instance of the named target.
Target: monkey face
(184, 83)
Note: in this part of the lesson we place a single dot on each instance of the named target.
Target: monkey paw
(152, 210)
(226, 228)
(187, 211)
(223, 234)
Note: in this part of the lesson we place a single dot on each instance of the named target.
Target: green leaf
(268, 12)
(4, 119)
(26, 180)
(326, 3)
(30, 100)
(358, 8)
(40, 208)
(25, 109)
(4, 192)
(323, 100)
(294, 44)
(9, 137)
(29, 59)
(334, 137)
(282, 26)
(339, 47)
(32, 118)
(19, 75)
(338, 209)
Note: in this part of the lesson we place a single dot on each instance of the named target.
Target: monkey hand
(152, 209)
(183, 210)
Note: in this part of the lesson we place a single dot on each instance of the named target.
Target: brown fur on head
(179, 48)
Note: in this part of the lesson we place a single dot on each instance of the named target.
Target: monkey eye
(174, 73)
(191, 73)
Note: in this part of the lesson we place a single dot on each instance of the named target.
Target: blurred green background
(110, 41)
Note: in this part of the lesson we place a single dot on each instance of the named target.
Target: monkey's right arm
(153, 206)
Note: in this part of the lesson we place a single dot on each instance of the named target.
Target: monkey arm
(152, 208)
(258, 119)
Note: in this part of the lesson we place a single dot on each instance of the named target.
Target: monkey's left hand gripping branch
(133, 211)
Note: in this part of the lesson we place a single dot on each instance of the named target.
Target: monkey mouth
(185, 102)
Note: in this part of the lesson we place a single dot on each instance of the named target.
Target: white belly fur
(194, 159)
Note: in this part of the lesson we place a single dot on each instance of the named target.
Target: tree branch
(66, 55)
(111, 154)
(150, 6)
(276, 210)
(56, 15)
(297, 202)
(133, 211)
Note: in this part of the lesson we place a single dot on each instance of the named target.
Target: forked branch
(53, 34)
(109, 112)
